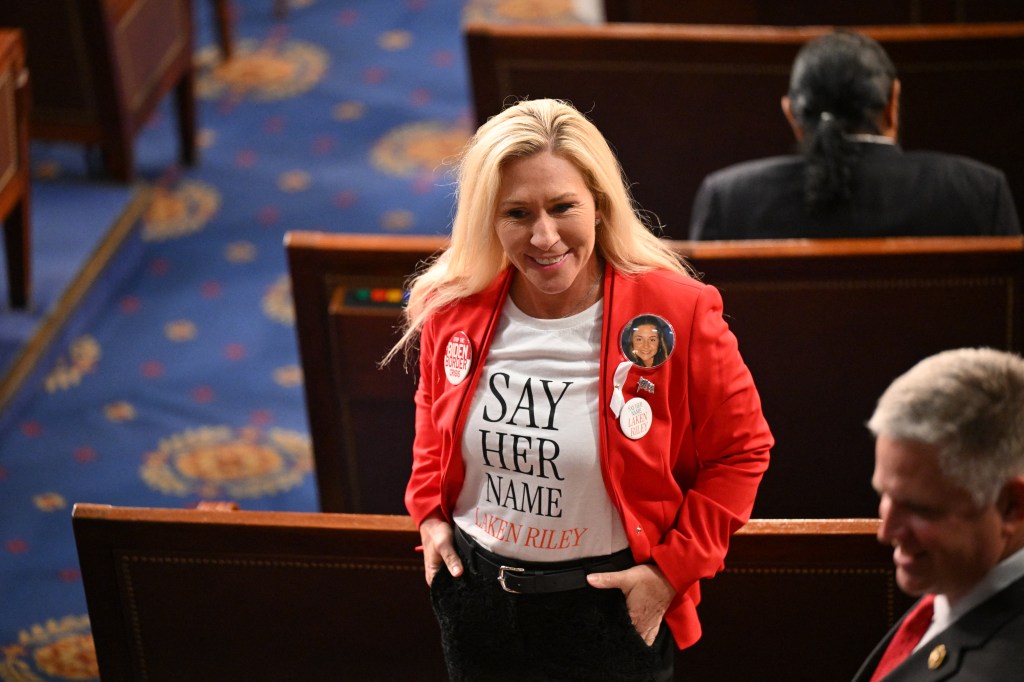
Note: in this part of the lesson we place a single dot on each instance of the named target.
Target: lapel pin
(458, 358)
(635, 418)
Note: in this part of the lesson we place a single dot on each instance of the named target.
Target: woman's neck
(565, 304)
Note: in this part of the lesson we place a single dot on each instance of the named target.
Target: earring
(597, 222)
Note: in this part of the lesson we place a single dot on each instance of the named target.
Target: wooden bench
(824, 325)
(232, 595)
(805, 12)
(680, 101)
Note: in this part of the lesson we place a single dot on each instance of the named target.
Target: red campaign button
(458, 358)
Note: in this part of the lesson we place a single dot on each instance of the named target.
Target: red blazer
(685, 487)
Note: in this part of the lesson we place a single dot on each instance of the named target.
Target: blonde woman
(569, 501)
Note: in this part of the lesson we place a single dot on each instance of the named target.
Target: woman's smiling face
(546, 220)
(645, 343)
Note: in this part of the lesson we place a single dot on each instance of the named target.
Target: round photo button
(647, 340)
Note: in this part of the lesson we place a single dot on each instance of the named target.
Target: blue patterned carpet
(175, 378)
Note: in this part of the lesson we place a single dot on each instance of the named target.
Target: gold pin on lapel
(937, 657)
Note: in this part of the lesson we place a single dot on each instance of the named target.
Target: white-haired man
(949, 471)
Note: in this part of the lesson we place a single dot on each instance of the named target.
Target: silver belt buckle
(501, 577)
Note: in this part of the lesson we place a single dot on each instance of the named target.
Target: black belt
(520, 577)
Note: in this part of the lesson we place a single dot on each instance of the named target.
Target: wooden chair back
(361, 417)
(677, 102)
(824, 325)
(231, 595)
(788, 588)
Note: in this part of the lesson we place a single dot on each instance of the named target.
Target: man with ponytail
(851, 177)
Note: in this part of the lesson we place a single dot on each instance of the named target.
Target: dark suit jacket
(985, 645)
(895, 193)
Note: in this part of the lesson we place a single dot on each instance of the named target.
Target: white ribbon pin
(635, 416)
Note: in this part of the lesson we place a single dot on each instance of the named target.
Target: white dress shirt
(1001, 576)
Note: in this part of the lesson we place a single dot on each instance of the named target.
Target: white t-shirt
(533, 488)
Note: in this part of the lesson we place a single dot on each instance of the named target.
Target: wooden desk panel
(232, 595)
(101, 67)
(220, 595)
(788, 587)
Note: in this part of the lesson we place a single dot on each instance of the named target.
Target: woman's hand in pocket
(648, 595)
(438, 548)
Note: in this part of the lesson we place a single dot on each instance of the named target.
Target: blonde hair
(474, 256)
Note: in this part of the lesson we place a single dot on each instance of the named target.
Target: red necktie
(910, 632)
